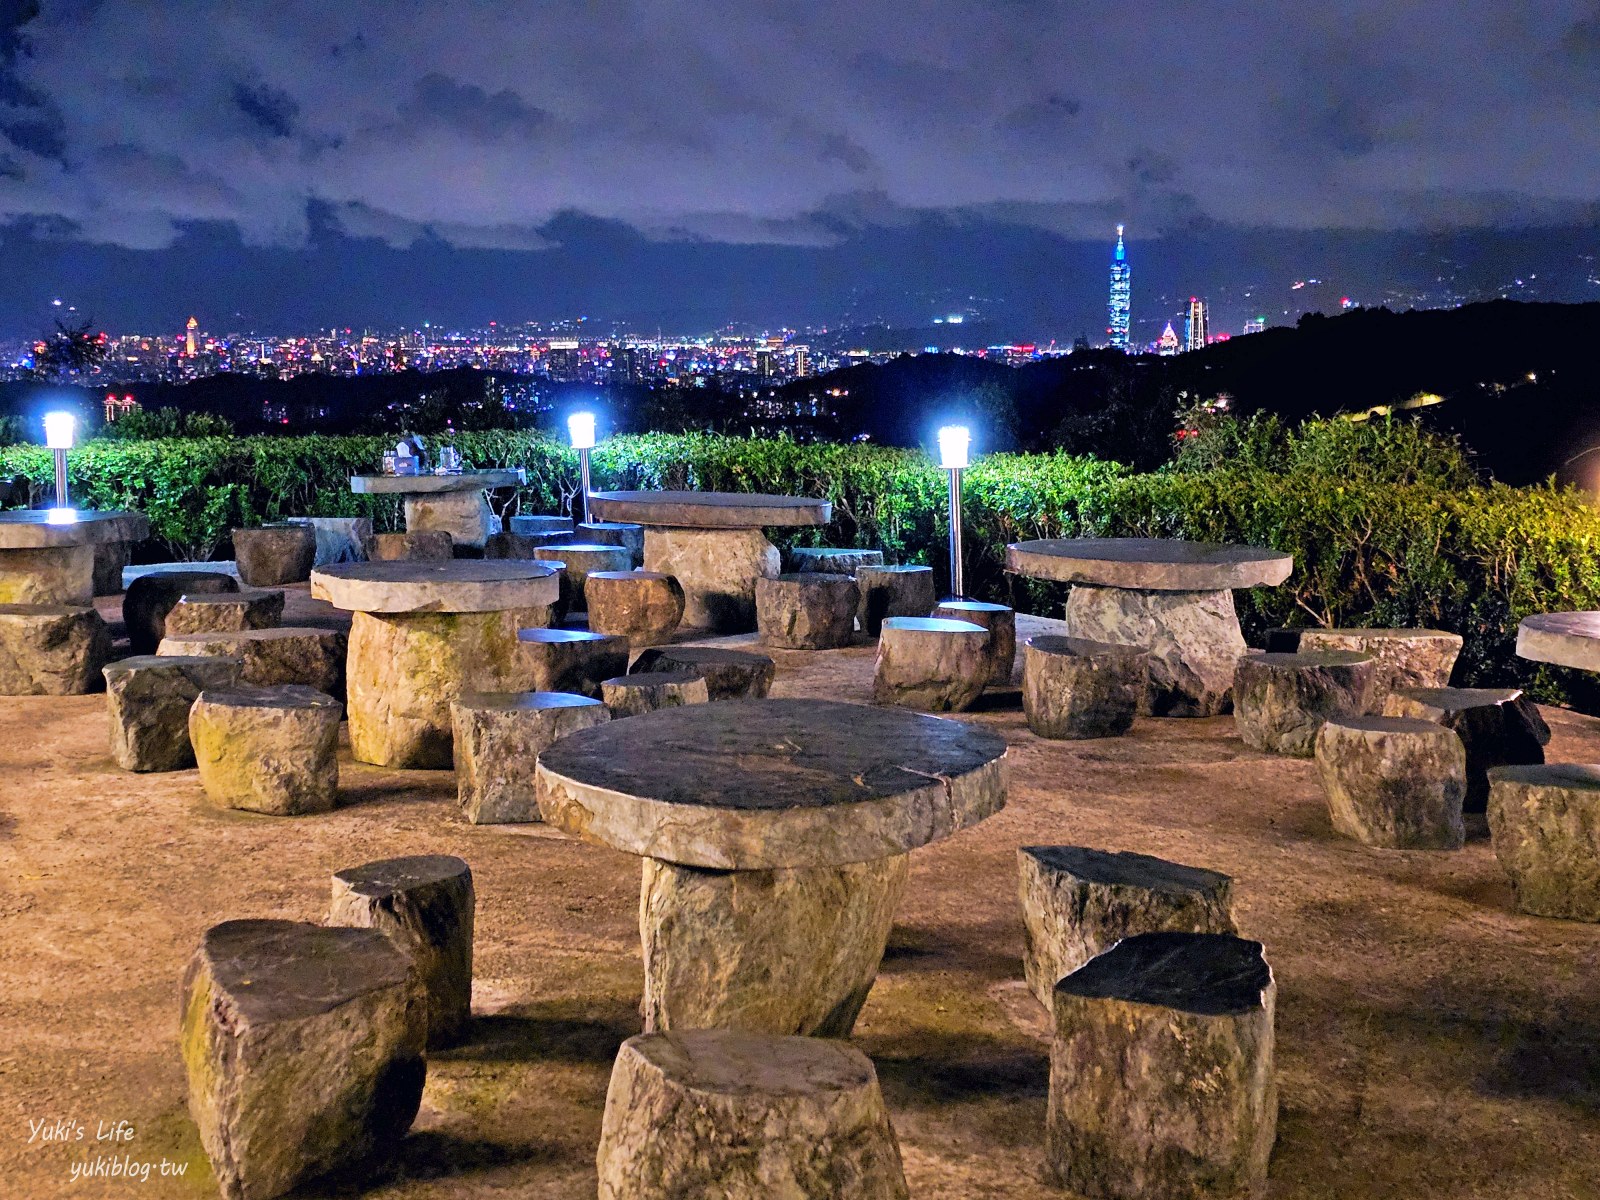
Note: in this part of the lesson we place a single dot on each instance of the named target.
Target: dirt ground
(1431, 1041)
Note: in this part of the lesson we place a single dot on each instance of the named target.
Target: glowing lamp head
(580, 427)
(954, 441)
(58, 430)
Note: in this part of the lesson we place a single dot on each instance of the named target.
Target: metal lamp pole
(583, 469)
(954, 444)
(58, 430)
(580, 426)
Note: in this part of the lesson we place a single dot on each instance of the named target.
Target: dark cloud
(269, 109)
(468, 109)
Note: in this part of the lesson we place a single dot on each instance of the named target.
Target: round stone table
(1563, 639)
(774, 835)
(713, 544)
(1171, 597)
(423, 633)
(452, 503)
(65, 559)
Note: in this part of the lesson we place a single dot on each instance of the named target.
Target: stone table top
(466, 481)
(760, 784)
(1566, 639)
(460, 585)
(1149, 564)
(709, 510)
(36, 529)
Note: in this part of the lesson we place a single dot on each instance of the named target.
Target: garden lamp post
(954, 442)
(58, 430)
(580, 427)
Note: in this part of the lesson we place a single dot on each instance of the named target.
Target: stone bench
(572, 660)
(1281, 700)
(724, 1113)
(807, 611)
(632, 695)
(613, 533)
(148, 698)
(1162, 1081)
(416, 545)
(150, 598)
(498, 738)
(1077, 903)
(729, 674)
(930, 665)
(534, 524)
(303, 1047)
(1394, 782)
(893, 592)
(51, 649)
(313, 658)
(583, 558)
(521, 546)
(642, 606)
(267, 749)
(832, 560)
(1406, 657)
(1001, 622)
(225, 612)
(424, 904)
(1074, 688)
(275, 554)
(339, 539)
(1544, 823)
(1498, 726)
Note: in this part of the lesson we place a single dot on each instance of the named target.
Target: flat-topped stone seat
(303, 1046)
(1001, 622)
(65, 557)
(642, 606)
(1564, 639)
(1162, 1082)
(807, 611)
(1078, 902)
(148, 698)
(521, 545)
(893, 591)
(267, 749)
(1281, 700)
(930, 665)
(584, 558)
(532, 524)
(832, 560)
(312, 657)
(498, 735)
(630, 695)
(572, 660)
(1544, 823)
(1074, 688)
(745, 1117)
(729, 674)
(1498, 726)
(613, 533)
(339, 539)
(418, 545)
(426, 905)
(150, 598)
(275, 554)
(1395, 782)
(51, 649)
(225, 612)
(1406, 657)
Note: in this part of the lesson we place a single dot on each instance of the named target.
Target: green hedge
(1469, 557)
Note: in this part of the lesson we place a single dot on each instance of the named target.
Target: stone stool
(148, 700)
(1498, 726)
(150, 598)
(1544, 823)
(631, 695)
(613, 533)
(226, 612)
(1161, 1071)
(1001, 622)
(582, 558)
(807, 611)
(313, 658)
(1075, 688)
(532, 524)
(498, 738)
(572, 660)
(416, 545)
(1406, 657)
(893, 592)
(275, 554)
(1077, 903)
(51, 649)
(1281, 700)
(642, 606)
(267, 749)
(831, 560)
(521, 546)
(425, 905)
(930, 665)
(1395, 782)
(303, 1046)
(729, 674)
(339, 539)
(711, 1112)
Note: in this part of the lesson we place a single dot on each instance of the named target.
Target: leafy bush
(154, 423)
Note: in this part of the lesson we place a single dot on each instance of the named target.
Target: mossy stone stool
(1394, 782)
(642, 606)
(498, 735)
(267, 750)
(904, 591)
(148, 698)
(807, 611)
(1281, 700)
(1075, 688)
(631, 695)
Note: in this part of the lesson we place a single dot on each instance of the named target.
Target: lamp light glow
(954, 443)
(58, 430)
(580, 427)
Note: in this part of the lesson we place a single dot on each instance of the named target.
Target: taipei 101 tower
(1121, 296)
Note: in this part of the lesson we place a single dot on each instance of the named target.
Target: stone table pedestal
(65, 558)
(452, 503)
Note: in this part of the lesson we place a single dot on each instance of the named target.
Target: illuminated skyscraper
(1121, 296)
(188, 344)
(1195, 327)
(1255, 325)
(1168, 343)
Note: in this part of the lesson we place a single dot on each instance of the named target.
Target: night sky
(268, 165)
